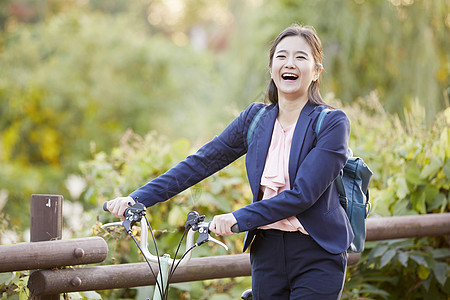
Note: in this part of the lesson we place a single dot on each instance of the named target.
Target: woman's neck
(289, 111)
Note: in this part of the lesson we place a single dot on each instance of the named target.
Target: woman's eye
(301, 57)
(281, 56)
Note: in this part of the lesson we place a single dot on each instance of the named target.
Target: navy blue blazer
(314, 163)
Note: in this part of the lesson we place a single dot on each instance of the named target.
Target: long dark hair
(310, 36)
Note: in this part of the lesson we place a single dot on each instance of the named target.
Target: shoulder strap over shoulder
(253, 124)
(322, 115)
(339, 183)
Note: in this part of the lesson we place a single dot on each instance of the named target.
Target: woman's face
(293, 68)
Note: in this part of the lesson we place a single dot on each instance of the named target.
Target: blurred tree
(399, 48)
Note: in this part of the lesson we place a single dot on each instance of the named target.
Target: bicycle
(167, 266)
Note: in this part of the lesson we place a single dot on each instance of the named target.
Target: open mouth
(289, 76)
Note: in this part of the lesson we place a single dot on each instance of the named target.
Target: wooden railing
(52, 254)
(47, 284)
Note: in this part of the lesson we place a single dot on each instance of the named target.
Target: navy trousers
(291, 265)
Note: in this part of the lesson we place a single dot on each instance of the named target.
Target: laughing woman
(297, 230)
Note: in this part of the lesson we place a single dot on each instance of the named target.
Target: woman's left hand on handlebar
(118, 206)
(221, 224)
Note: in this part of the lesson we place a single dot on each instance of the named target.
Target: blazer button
(249, 224)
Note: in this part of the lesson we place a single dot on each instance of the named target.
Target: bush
(411, 169)
(139, 159)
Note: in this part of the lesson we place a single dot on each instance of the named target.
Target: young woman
(297, 229)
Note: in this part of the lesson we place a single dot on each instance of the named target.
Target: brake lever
(132, 215)
(204, 236)
(193, 219)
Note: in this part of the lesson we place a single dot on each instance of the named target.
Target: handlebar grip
(235, 228)
(105, 206)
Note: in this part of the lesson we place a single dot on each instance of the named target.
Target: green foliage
(14, 286)
(65, 92)
(398, 48)
(401, 269)
(416, 182)
(139, 159)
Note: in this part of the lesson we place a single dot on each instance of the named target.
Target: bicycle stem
(163, 275)
(154, 258)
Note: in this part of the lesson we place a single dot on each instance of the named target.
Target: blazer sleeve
(210, 158)
(314, 175)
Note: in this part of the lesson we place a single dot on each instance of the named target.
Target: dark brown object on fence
(135, 274)
(52, 254)
(45, 217)
(407, 226)
(46, 224)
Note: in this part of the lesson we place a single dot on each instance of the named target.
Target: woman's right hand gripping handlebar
(118, 206)
(225, 224)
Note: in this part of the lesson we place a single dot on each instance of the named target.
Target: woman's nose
(290, 62)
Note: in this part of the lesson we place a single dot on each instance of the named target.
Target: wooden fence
(48, 283)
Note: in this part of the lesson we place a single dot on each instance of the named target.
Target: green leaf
(381, 202)
(440, 253)
(91, 295)
(6, 277)
(440, 271)
(412, 174)
(430, 170)
(418, 202)
(401, 208)
(387, 257)
(379, 250)
(419, 259)
(426, 283)
(13, 297)
(423, 272)
(403, 258)
(75, 296)
(373, 290)
(23, 295)
(436, 202)
(402, 187)
(183, 286)
(447, 168)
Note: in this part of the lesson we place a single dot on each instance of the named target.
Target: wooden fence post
(45, 224)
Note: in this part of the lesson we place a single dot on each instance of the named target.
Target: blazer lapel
(262, 137)
(298, 140)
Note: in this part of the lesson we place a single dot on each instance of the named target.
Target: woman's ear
(319, 69)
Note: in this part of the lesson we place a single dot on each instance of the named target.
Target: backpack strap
(253, 124)
(322, 115)
(339, 184)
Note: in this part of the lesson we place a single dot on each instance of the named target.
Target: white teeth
(289, 76)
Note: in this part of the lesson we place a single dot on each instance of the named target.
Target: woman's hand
(118, 206)
(221, 224)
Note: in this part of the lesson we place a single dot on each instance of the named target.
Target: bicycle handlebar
(234, 228)
(136, 212)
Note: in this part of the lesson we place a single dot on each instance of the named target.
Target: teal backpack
(352, 186)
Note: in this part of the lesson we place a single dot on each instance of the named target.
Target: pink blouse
(275, 178)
